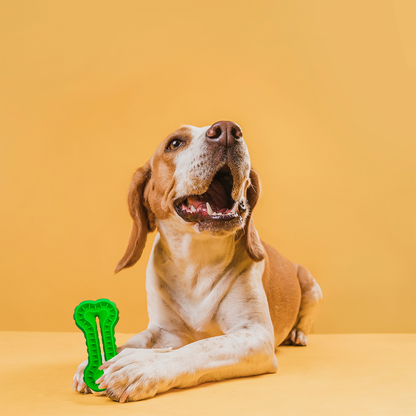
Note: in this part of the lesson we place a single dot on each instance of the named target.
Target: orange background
(324, 92)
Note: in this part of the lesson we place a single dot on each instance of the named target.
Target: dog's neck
(189, 250)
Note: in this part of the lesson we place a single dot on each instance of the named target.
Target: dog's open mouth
(214, 204)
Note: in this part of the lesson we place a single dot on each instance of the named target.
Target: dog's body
(218, 295)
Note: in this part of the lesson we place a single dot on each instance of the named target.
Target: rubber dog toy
(85, 318)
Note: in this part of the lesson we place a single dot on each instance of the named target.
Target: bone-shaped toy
(85, 318)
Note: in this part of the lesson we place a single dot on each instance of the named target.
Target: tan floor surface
(335, 375)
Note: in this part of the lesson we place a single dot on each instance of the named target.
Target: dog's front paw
(136, 374)
(78, 383)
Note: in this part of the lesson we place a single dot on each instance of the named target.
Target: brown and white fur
(220, 300)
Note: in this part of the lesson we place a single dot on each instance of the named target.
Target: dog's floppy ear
(143, 217)
(253, 243)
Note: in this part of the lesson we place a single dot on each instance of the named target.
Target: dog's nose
(225, 133)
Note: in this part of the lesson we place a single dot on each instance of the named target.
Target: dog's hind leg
(310, 304)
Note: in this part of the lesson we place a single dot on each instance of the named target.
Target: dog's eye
(174, 144)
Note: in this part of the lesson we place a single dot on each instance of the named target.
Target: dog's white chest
(192, 288)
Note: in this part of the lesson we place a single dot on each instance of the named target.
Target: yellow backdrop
(324, 92)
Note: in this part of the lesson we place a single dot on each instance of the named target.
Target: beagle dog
(220, 300)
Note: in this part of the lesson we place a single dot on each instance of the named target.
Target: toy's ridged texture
(85, 318)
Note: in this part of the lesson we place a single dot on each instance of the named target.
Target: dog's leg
(155, 337)
(143, 339)
(137, 374)
(310, 304)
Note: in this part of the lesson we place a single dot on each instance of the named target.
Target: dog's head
(200, 178)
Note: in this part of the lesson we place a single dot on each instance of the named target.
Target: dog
(220, 300)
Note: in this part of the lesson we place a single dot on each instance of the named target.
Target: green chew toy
(85, 318)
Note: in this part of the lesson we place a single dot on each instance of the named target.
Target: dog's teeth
(209, 209)
(193, 208)
(234, 210)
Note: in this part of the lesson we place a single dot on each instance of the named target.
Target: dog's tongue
(215, 195)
